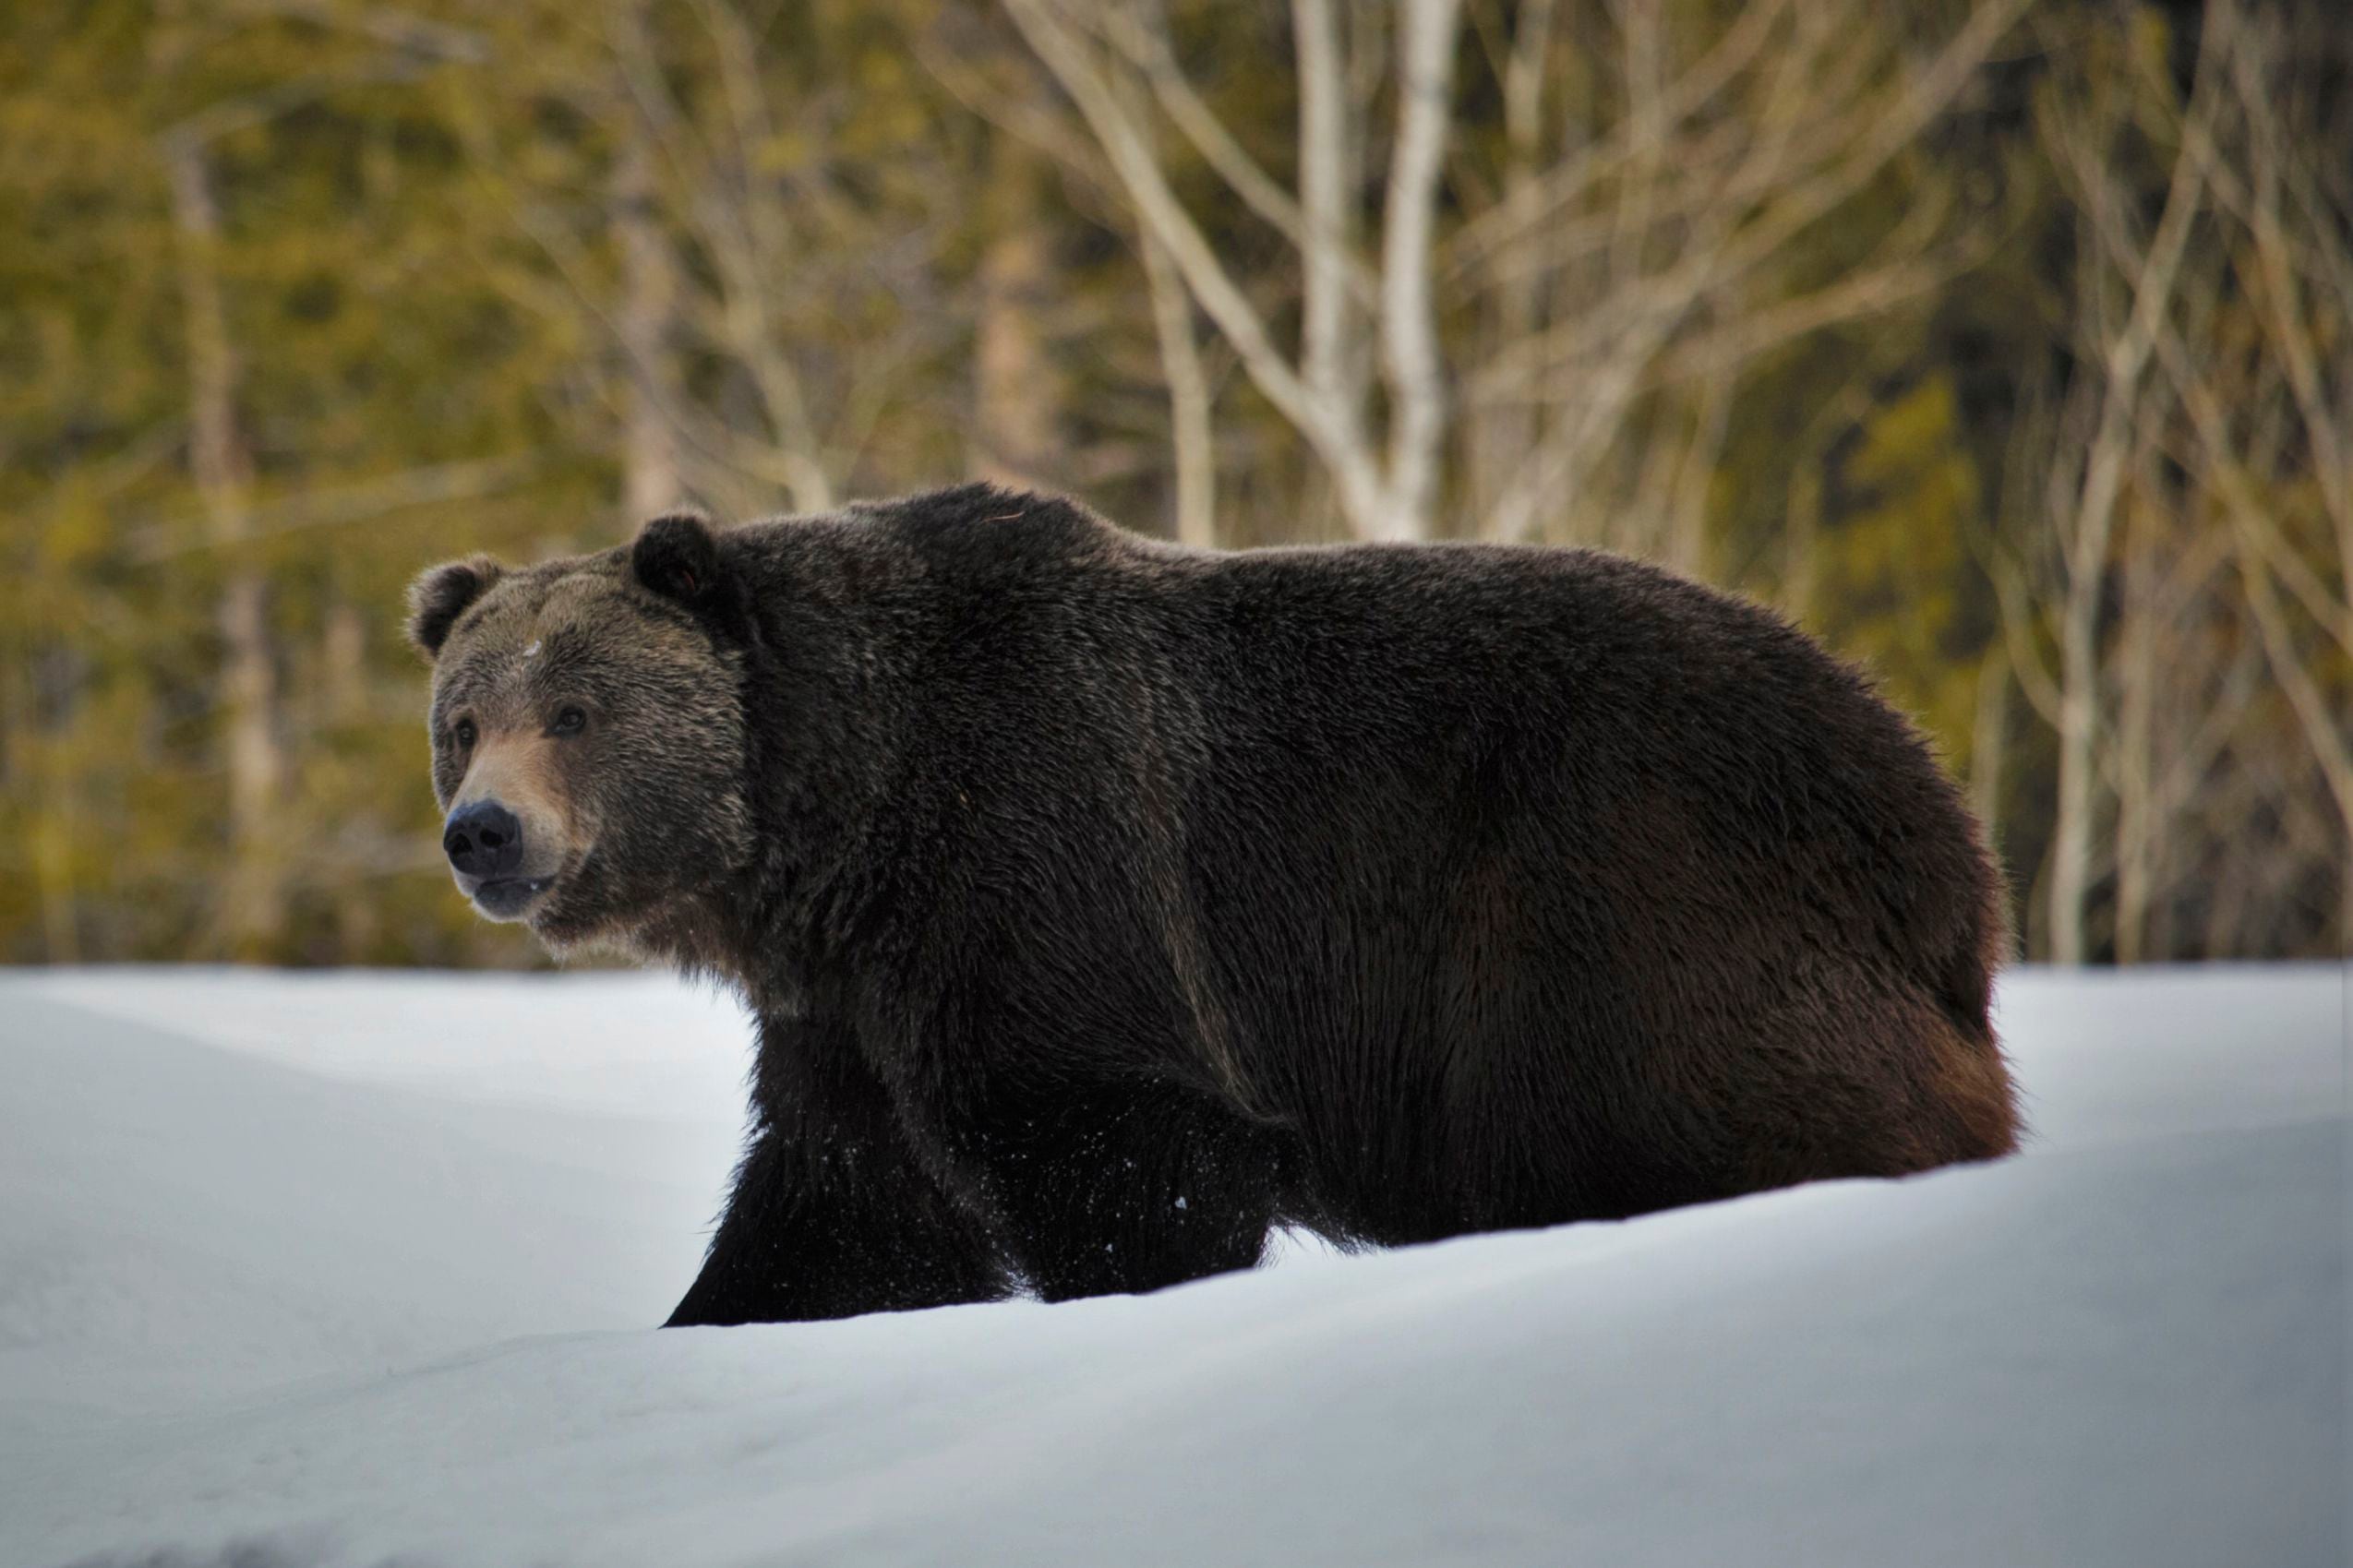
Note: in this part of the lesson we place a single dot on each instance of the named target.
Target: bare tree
(723, 277)
(1017, 383)
(1637, 260)
(1385, 482)
(2275, 427)
(2193, 530)
(1674, 230)
(1191, 433)
(645, 323)
(705, 187)
(252, 908)
(2123, 309)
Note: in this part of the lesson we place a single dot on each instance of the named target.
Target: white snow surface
(359, 1269)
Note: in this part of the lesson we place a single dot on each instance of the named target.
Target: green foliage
(1898, 589)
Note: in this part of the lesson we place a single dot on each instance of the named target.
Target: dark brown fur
(1103, 903)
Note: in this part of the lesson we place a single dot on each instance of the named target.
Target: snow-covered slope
(357, 1269)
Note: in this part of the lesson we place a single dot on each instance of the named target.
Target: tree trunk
(345, 655)
(2140, 828)
(1502, 435)
(1411, 366)
(2078, 712)
(649, 293)
(1192, 434)
(253, 908)
(1331, 361)
(1017, 389)
(1989, 743)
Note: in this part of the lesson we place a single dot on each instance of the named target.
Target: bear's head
(589, 743)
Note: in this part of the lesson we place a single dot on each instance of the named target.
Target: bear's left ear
(675, 557)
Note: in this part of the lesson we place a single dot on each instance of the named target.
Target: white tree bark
(1193, 435)
(1326, 228)
(1502, 435)
(1409, 317)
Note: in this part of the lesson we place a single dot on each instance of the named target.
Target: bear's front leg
(832, 1214)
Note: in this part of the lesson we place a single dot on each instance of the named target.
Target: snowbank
(357, 1269)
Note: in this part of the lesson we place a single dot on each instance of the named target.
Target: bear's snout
(508, 836)
(483, 841)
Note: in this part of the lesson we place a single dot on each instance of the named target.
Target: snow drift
(357, 1269)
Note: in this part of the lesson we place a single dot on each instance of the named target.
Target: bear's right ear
(675, 557)
(439, 596)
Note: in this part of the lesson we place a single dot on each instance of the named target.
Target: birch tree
(1386, 480)
(1653, 222)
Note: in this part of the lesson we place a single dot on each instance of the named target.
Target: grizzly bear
(1102, 903)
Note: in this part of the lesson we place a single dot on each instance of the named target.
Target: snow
(358, 1269)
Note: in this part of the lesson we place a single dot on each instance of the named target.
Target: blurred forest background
(2007, 344)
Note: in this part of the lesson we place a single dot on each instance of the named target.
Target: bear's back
(1603, 735)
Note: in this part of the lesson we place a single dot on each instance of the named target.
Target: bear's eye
(569, 720)
(462, 732)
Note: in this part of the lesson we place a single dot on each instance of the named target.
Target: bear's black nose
(484, 841)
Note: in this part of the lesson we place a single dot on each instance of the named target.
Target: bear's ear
(675, 557)
(439, 596)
